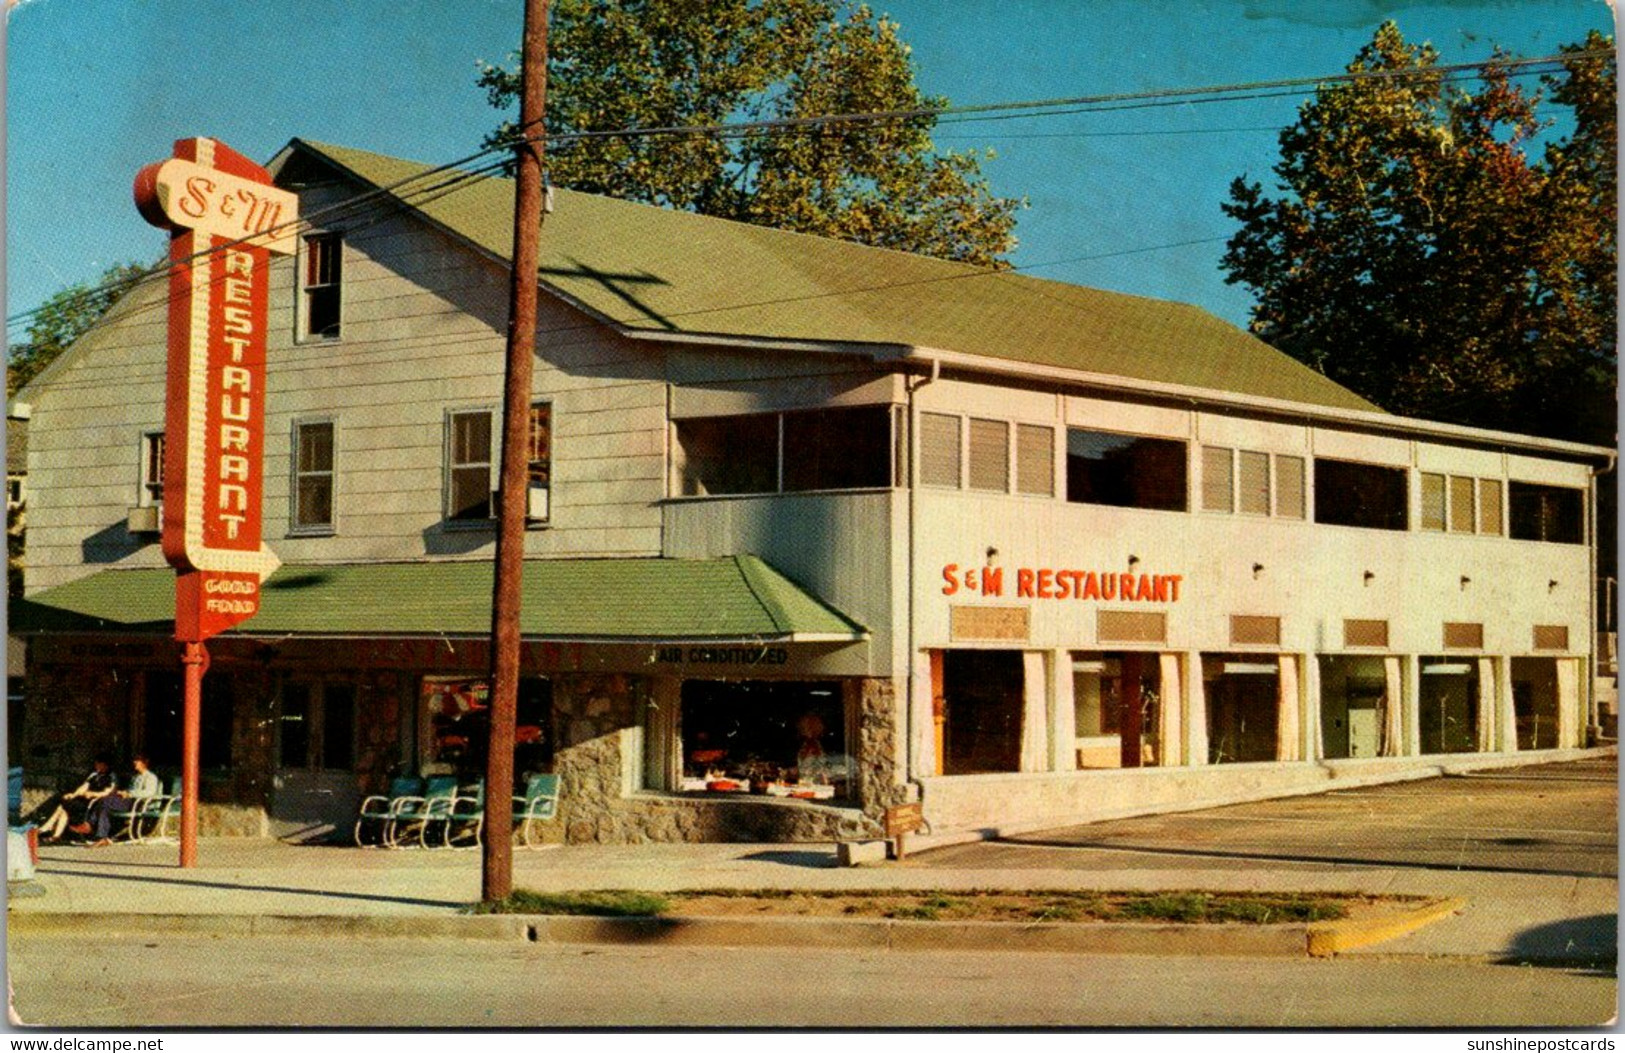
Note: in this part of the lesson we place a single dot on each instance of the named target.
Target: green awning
(734, 598)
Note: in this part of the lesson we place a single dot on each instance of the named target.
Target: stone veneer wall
(592, 714)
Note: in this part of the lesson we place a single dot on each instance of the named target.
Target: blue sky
(97, 88)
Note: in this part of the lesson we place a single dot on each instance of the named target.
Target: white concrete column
(1287, 707)
(1034, 712)
(1170, 719)
(1506, 716)
(1314, 742)
(1195, 711)
(1568, 703)
(1393, 706)
(923, 733)
(1485, 732)
(1063, 717)
(1412, 722)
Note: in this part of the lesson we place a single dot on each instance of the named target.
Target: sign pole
(496, 878)
(225, 219)
(195, 659)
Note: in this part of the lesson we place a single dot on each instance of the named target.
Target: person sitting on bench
(145, 785)
(70, 814)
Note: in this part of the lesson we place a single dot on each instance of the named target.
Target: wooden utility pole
(497, 876)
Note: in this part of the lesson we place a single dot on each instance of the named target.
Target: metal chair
(539, 804)
(411, 816)
(464, 818)
(378, 809)
(160, 810)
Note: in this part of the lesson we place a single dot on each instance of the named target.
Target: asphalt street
(282, 982)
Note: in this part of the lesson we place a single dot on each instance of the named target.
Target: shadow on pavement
(228, 886)
(812, 860)
(1591, 942)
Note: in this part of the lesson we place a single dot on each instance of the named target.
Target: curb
(1327, 938)
(1143, 938)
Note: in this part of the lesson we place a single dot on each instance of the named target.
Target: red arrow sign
(225, 219)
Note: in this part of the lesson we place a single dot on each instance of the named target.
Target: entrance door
(982, 702)
(314, 792)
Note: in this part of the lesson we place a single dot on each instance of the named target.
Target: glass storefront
(1354, 704)
(778, 738)
(1447, 706)
(1243, 707)
(1116, 699)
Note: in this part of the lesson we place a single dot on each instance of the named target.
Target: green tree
(1419, 255)
(685, 63)
(62, 319)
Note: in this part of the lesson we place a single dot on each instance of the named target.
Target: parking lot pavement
(1556, 820)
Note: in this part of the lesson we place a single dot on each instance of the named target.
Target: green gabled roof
(734, 598)
(657, 270)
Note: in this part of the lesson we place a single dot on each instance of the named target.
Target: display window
(765, 737)
(1116, 700)
(457, 726)
(1243, 707)
(981, 711)
(1447, 706)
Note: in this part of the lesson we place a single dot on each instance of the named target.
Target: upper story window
(14, 491)
(320, 284)
(1348, 493)
(1252, 483)
(939, 450)
(1460, 504)
(313, 476)
(152, 469)
(1035, 460)
(845, 448)
(1125, 471)
(989, 455)
(539, 463)
(468, 465)
(1546, 513)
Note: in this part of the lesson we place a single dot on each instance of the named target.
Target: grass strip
(1061, 905)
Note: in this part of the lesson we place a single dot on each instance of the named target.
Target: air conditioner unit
(146, 519)
(537, 504)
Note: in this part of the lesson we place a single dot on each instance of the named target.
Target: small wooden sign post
(904, 819)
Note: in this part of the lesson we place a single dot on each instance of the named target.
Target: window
(1289, 502)
(845, 448)
(456, 726)
(14, 491)
(1218, 479)
(1461, 504)
(989, 455)
(152, 469)
(468, 466)
(729, 455)
(782, 738)
(1125, 471)
(939, 450)
(161, 724)
(1360, 495)
(313, 476)
(848, 448)
(1253, 483)
(1035, 460)
(539, 463)
(322, 273)
(1547, 513)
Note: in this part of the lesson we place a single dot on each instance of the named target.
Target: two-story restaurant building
(816, 529)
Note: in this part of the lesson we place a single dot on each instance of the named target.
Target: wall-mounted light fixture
(1370, 576)
(1465, 581)
(1258, 568)
(1133, 561)
(1551, 586)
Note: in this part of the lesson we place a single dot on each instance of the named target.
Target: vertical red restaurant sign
(225, 219)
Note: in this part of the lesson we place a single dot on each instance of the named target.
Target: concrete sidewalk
(1523, 916)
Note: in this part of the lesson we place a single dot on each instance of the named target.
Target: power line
(1018, 109)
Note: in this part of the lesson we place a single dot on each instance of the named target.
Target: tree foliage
(1421, 256)
(685, 63)
(62, 319)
